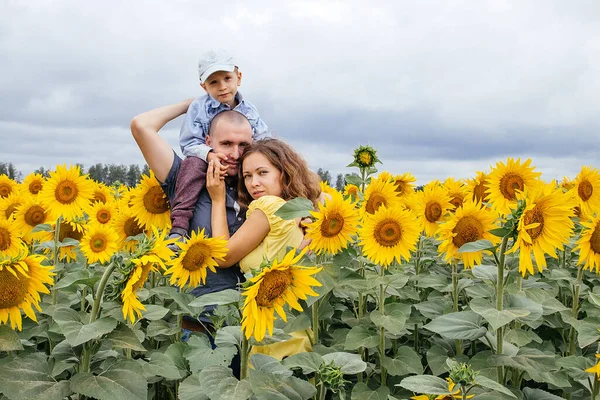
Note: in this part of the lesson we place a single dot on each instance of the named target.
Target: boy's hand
(215, 184)
(217, 158)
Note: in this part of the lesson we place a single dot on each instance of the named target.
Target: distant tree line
(340, 180)
(108, 174)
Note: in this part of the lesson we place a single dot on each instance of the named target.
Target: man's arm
(144, 127)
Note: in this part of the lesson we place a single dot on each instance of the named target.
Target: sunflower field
(483, 288)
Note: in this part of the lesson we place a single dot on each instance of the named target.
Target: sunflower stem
(315, 321)
(455, 301)
(100, 292)
(575, 310)
(361, 307)
(56, 252)
(244, 357)
(500, 304)
(381, 328)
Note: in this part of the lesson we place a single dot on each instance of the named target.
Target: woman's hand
(215, 184)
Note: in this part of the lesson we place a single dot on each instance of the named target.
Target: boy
(220, 78)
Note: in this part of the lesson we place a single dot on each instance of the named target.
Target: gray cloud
(439, 88)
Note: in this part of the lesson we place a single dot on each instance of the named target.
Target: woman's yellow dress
(282, 234)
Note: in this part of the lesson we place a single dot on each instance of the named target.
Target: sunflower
(10, 243)
(351, 191)
(544, 226)
(457, 192)
(379, 193)
(99, 243)
(21, 283)
(275, 286)
(66, 193)
(478, 187)
(595, 369)
(7, 186)
(8, 205)
(33, 183)
(410, 202)
(505, 180)
(365, 157)
(150, 204)
(28, 215)
(587, 183)
(404, 184)
(68, 229)
(470, 223)
(326, 188)
(103, 213)
(385, 176)
(567, 183)
(132, 307)
(455, 394)
(102, 194)
(197, 255)
(390, 233)
(126, 226)
(433, 203)
(589, 245)
(335, 224)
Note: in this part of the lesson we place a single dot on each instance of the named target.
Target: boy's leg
(191, 179)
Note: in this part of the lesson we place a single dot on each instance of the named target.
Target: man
(229, 133)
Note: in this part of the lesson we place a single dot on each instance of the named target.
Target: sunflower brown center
(143, 277)
(155, 201)
(401, 187)
(585, 190)
(12, 289)
(388, 232)
(99, 197)
(196, 257)
(457, 202)
(35, 187)
(534, 216)
(5, 239)
(5, 189)
(35, 215)
(509, 184)
(66, 192)
(98, 243)
(67, 231)
(595, 240)
(433, 211)
(468, 229)
(103, 216)
(10, 210)
(374, 202)
(273, 285)
(132, 228)
(479, 191)
(332, 225)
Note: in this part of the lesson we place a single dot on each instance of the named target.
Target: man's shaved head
(229, 117)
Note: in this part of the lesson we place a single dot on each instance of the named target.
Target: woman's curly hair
(296, 179)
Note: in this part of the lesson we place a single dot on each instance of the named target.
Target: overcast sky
(439, 88)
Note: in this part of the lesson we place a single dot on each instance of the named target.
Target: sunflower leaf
(116, 383)
(477, 245)
(298, 207)
(78, 333)
(464, 325)
(361, 336)
(125, 338)
(9, 340)
(490, 384)
(200, 354)
(362, 392)
(308, 362)
(393, 321)
(349, 364)
(28, 378)
(407, 361)
(270, 386)
(496, 318)
(425, 384)
(228, 296)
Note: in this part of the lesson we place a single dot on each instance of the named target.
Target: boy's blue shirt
(192, 137)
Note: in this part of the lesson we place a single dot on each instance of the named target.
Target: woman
(271, 173)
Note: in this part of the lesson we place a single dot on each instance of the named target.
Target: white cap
(213, 61)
